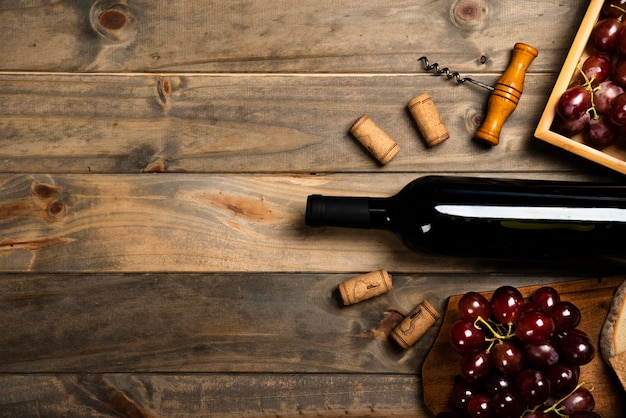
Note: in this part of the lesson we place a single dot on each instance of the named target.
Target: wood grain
(216, 323)
(592, 297)
(155, 158)
(208, 395)
(180, 345)
(243, 123)
(195, 223)
(235, 322)
(242, 36)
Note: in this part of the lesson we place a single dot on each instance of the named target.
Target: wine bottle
(486, 217)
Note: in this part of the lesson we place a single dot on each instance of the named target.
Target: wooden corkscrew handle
(506, 94)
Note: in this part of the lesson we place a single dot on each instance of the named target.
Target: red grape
(580, 400)
(544, 354)
(534, 327)
(574, 102)
(609, 10)
(622, 42)
(565, 315)
(621, 131)
(480, 407)
(462, 392)
(528, 307)
(602, 132)
(603, 97)
(476, 366)
(533, 386)
(506, 304)
(563, 378)
(496, 383)
(507, 357)
(619, 72)
(604, 37)
(545, 298)
(465, 337)
(507, 405)
(596, 68)
(617, 111)
(571, 127)
(472, 305)
(576, 348)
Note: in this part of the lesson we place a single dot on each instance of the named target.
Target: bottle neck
(349, 212)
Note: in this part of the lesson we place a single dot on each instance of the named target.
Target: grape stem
(589, 87)
(621, 17)
(497, 335)
(557, 408)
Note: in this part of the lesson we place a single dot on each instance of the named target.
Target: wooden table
(156, 157)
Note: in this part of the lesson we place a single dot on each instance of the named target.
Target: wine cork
(365, 287)
(375, 140)
(428, 120)
(415, 325)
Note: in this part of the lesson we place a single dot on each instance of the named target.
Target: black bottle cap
(314, 210)
(350, 212)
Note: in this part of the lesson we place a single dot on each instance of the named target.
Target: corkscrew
(505, 95)
(451, 74)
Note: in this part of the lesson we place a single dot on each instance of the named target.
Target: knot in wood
(468, 10)
(165, 86)
(468, 14)
(55, 209)
(473, 118)
(44, 191)
(164, 90)
(112, 19)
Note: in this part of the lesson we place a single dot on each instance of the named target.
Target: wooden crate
(614, 156)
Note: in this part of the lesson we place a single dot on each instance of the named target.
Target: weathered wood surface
(198, 291)
(207, 345)
(149, 395)
(244, 123)
(278, 36)
(198, 223)
(218, 323)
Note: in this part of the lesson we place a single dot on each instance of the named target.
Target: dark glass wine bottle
(483, 217)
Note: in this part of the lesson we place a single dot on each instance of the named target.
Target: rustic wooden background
(155, 160)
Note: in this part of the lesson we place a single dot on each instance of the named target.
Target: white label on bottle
(534, 213)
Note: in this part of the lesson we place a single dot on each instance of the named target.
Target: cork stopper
(374, 139)
(366, 286)
(428, 120)
(415, 325)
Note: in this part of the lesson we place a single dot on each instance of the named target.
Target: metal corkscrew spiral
(451, 74)
(504, 95)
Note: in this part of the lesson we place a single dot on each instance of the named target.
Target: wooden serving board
(592, 297)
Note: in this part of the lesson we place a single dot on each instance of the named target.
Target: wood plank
(273, 36)
(187, 395)
(198, 291)
(200, 223)
(255, 123)
(216, 323)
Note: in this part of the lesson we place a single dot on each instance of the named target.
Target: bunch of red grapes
(595, 103)
(520, 358)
